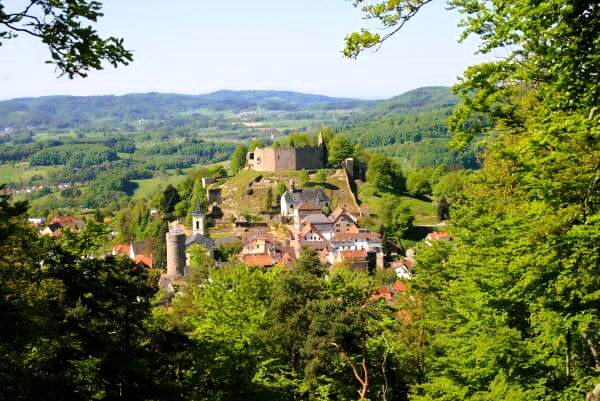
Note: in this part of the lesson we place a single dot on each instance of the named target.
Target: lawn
(425, 212)
(147, 187)
(22, 172)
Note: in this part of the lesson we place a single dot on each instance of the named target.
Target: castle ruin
(288, 158)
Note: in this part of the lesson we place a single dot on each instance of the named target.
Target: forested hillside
(412, 126)
(56, 112)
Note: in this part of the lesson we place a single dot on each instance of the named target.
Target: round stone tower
(175, 253)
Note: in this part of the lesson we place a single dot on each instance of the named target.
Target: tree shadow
(130, 187)
(418, 233)
(325, 185)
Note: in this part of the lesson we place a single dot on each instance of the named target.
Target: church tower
(198, 222)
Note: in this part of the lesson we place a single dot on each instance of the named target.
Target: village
(326, 220)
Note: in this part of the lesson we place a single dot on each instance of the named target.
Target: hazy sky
(199, 46)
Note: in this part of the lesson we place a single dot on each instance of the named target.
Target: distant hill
(60, 112)
(412, 127)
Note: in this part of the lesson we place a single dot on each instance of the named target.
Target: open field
(425, 212)
(22, 172)
(147, 187)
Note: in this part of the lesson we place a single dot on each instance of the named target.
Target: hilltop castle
(290, 158)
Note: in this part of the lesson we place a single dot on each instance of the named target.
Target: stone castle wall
(309, 157)
(286, 159)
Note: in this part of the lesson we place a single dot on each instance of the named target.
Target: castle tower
(175, 253)
(198, 222)
(321, 144)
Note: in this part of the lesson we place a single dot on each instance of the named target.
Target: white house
(293, 197)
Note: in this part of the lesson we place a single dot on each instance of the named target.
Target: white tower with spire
(198, 220)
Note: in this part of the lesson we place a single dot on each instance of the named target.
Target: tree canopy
(512, 310)
(75, 46)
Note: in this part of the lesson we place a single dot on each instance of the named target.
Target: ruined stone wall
(286, 159)
(309, 158)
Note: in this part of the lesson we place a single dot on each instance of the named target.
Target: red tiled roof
(382, 291)
(353, 254)
(65, 221)
(404, 262)
(121, 249)
(399, 286)
(438, 235)
(351, 236)
(145, 259)
(308, 228)
(260, 259)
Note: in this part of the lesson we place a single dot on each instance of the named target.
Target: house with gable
(138, 251)
(437, 236)
(343, 221)
(356, 241)
(293, 197)
(306, 209)
(309, 236)
(320, 222)
(258, 243)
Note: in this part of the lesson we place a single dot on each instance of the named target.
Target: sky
(200, 46)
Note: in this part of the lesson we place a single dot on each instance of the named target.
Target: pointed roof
(200, 240)
(307, 228)
(198, 209)
(341, 212)
(337, 212)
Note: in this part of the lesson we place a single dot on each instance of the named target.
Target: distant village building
(261, 249)
(57, 224)
(403, 268)
(288, 158)
(138, 251)
(306, 209)
(293, 197)
(437, 236)
(343, 221)
(37, 221)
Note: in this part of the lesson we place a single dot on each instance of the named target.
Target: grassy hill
(236, 198)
